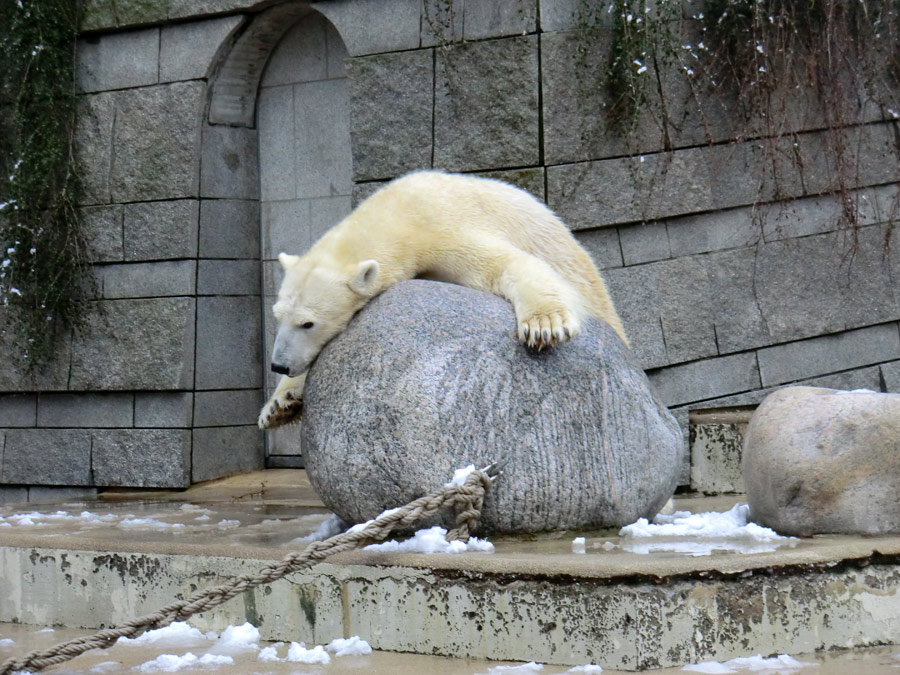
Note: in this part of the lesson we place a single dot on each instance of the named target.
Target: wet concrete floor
(121, 659)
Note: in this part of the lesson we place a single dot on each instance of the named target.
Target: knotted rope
(466, 499)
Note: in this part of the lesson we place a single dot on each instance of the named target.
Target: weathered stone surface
(603, 245)
(93, 145)
(300, 56)
(12, 495)
(731, 300)
(102, 227)
(136, 344)
(322, 145)
(645, 242)
(163, 409)
(157, 142)
(46, 457)
(819, 460)
(384, 89)
(708, 379)
(222, 451)
(486, 105)
(230, 168)
(117, 61)
(496, 19)
(716, 442)
(159, 230)
(17, 410)
(142, 457)
(229, 228)
(824, 284)
(734, 228)
(581, 440)
(187, 50)
(635, 290)
(530, 180)
(147, 280)
(890, 375)
(375, 26)
(227, 408)
(118, 13)
(228, 277)
(85, 410)
(228, 349)
(829, 353)
(58, 495)
(15, 373)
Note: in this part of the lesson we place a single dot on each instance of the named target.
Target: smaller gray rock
(824, 461)
(429, 377)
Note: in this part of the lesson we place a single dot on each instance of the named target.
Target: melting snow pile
(432, 540)
(776, 664)
(701, 533)
(532, 667)
(233, 640)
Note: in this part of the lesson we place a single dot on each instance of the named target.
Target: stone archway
(277, 158)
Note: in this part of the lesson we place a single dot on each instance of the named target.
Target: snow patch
(432, 540)
(6, 643)
(170, 663)
(328, 528)
(578, 545)
(176, 634)
(701, 533)
(298, 653)
(237, 639)
(352, 646)
(460, 476)
(524, 669)
(780, 664)
(589, 668)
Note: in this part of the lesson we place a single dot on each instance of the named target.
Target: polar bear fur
(472, 231)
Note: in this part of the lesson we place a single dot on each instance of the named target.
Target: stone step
(716, 439)
(531, 599)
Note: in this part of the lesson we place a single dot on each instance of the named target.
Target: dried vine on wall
(43, 271)
(771, 68)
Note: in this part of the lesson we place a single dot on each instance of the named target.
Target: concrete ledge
(530, 600)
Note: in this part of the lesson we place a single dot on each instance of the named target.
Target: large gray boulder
(821, 460)
(429, 377)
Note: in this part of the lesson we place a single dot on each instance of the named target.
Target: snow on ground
(349, 647)
(699, 534)
(589, 668)
(170, 663)
(432, 540)
(176, 634)
(776, 664)
(578, 545)
(6, 643)
(328, 528)
(234, 640)
(524, 669)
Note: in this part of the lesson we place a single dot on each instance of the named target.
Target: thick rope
(466, 499)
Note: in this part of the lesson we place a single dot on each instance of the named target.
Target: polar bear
(477, 232)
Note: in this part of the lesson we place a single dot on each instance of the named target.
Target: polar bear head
(316, 302)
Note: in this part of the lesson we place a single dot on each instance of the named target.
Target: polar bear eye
(307, 325)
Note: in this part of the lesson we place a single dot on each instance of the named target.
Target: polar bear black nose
(281, 370)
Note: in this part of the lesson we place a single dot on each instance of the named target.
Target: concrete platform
(529, 600)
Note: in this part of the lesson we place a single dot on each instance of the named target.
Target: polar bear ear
(287, 261)
(364, 281)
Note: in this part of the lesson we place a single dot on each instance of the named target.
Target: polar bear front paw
(547, 330)
(282, 408)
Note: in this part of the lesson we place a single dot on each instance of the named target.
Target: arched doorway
(305, 166)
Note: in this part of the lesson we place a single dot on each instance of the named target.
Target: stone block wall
(214, 134)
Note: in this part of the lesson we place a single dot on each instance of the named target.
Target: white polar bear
(472, 231)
